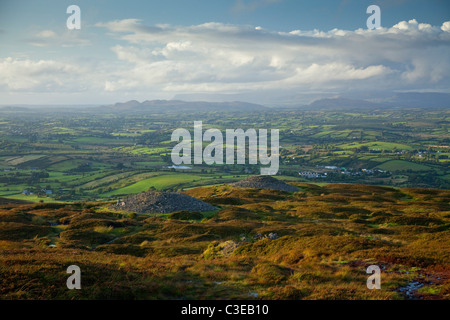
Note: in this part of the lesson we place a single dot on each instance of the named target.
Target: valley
(90, 155)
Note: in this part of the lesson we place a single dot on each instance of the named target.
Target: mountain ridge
(180, 105)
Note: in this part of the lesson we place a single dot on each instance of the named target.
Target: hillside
(264, 182)
(315, 243)
(4, 201)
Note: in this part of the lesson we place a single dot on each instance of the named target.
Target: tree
(120, 166)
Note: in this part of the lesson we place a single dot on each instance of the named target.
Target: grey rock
(161, 202)
(264, 182)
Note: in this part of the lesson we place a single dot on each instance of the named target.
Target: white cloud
(121, 25)
(214, 56)
(446, 26)
(46, 34)
(224, 58)
(38, 76)
(66, 38)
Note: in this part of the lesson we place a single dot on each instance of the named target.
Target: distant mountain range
(399, 100)
(160, 106)
(369, 99)
(360, 101)
(343, 103)
(420, 99)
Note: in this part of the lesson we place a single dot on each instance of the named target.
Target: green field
(400, 165)
(14, 161)
(377, 145)
(159, 183)
(32, 198)
(84, 156)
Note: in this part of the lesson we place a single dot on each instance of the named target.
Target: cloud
(67, 38)
(224, 58)
(38, 76)
(215, 56)
(446, 26)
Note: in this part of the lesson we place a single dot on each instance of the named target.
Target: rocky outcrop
(161, 202)
(264, 182)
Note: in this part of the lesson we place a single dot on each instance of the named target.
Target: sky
(271, 49)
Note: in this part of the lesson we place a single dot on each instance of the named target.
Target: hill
(162, 106)
(6, 201)
(420, 99)
(423, 100)
(264, 182)
(343, 103)
(261, 244)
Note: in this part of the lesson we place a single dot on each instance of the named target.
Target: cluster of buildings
(45, 191)
(311, 174)
(321, 172)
